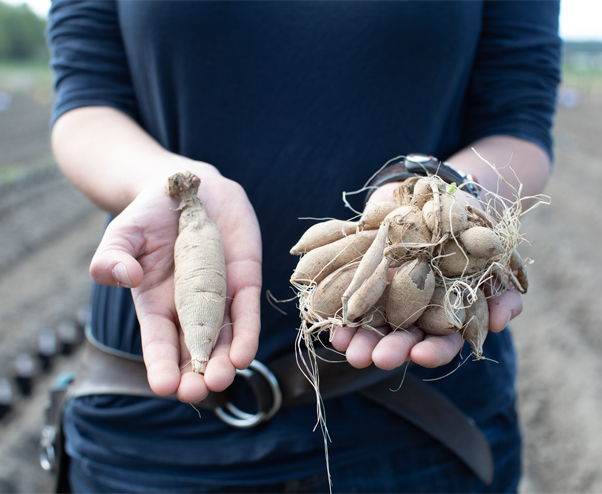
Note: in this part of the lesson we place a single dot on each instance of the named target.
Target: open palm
(137, 251)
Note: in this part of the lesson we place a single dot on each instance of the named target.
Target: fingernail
(120, 273)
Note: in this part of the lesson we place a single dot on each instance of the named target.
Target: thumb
(114, 263)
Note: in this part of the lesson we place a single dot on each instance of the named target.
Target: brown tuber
(435, 319)
(477, 324)
(326, 299)
(318, 263)
(369, 292)
(376, 316)
(482, 242)
(323, 233)
(375, 213)
(407, 226)
(199, 273)
(455, 261)
(411, 290)
(453, 217)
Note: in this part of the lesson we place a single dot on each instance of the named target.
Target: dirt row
(43, 283)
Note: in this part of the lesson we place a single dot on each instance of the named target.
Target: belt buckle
(234, 416)
(47, 449)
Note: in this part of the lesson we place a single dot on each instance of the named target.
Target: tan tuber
(199, 272)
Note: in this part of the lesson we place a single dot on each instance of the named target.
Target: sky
(580, 20)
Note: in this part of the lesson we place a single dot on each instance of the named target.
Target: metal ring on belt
(258, 376)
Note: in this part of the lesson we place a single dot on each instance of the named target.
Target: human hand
(390, 349)
(137, 251)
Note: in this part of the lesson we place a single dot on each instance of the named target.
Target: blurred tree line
(21, 34)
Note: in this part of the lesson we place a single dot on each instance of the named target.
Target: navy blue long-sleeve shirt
(298, 102)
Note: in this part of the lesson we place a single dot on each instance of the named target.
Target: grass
(25, 93)
(14, 174)
(586, 81)
(25, 76)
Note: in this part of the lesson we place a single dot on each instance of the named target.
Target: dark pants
(428, 468)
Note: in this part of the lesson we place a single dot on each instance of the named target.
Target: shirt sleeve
(516, 72)
(88, 57)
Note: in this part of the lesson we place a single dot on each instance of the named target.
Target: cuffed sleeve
(88, 57)
(516, 72)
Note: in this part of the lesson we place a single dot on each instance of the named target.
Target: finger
(435, 351)
(340, 337)
(220, 370)
(244, 311)
(192, 387)
(503, 308)
(359, 352)
(394, 349)
(467, 199)
(384, 193)
(242, 249)
(160, 347)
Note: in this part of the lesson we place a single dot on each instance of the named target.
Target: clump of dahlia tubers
(445, 253)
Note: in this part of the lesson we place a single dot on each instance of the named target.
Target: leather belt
(282, 384)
